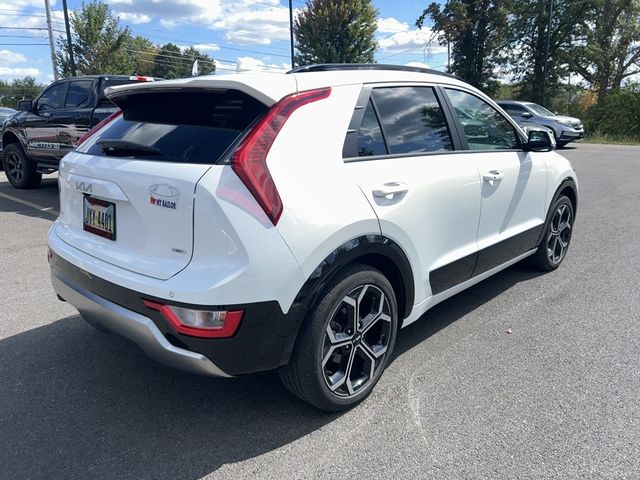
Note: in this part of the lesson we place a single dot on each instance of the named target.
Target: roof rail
(329, 67)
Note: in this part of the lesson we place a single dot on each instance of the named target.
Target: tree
(171, 62)
(528, 28)
(19, 89)
(610, 51)
(476, 30)
(336, 31)
(98, 42)
(141, 54)
(168, 62)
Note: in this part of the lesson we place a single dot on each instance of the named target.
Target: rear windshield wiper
(123, 148)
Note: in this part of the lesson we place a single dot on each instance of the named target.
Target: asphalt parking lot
(559, 397)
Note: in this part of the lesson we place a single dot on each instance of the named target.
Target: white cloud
(11, 58)
(207, 47)
(391, 25)
(135, 18)
(412, 41)
(168, 24)
(255, 27)
(11, 73)
(251, 64)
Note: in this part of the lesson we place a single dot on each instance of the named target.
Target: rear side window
(182, 127)
(79, 94)
(412, 120)
(370, 140)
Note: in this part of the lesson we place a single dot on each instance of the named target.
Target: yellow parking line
(40, 208)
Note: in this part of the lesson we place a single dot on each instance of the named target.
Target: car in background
(565, 129)
(4, 114)
(45, 129)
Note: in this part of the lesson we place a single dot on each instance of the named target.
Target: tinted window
(484, 127)
(517, 109)
(412, 120)
(52, 98)
(182, 127)
(79, 94)
(370, 141)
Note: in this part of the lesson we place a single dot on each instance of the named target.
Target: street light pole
(47, 7)
(291, 31)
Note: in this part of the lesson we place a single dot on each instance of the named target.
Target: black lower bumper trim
(264, 340)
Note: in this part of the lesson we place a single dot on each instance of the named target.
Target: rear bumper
(100, 312)
(264, 340)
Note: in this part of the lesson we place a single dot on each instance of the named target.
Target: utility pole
(546, 52)
(293, 65)
(53, 50)
(72, 62)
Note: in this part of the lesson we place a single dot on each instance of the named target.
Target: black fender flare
(371, 250)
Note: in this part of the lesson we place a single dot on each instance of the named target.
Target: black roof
(331, 67)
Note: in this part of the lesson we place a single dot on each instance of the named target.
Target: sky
(239, 34)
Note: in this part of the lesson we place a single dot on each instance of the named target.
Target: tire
(337, 360)
(19, 168)
(557, 235)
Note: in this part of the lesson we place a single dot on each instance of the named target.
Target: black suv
(43, 130)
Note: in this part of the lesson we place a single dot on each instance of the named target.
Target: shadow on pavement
(45, 196)
(77, 403)
(456, 307)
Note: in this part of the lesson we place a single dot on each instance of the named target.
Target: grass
(611, 139)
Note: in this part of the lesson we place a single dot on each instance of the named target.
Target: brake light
(140, 78)
(199, 323)
(249, 161)
(98, 126)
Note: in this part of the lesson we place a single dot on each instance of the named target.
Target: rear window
(181, 127)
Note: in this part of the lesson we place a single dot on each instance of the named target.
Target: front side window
(52, 98)
(412, 120)
(484, 127)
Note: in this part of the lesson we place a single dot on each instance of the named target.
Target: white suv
(249, 222)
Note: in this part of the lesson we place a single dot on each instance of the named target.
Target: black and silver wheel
(19, 169)
(557, 236)
(346, 341)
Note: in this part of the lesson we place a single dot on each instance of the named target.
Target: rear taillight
(199, 323)
(249, 161)
(98, 126)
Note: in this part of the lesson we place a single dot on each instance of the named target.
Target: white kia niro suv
(248, 222)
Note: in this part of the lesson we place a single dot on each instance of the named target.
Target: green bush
(616, 115)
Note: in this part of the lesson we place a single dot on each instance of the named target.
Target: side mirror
(526, 115)
(25, 105)
(540, 141)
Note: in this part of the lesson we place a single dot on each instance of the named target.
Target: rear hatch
(127, 193)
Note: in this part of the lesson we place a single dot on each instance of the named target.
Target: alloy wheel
(14, 167)
(356, 340)
(559, 234)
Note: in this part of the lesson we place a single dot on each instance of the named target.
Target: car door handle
(493, 176)
(46, 115)
(390, 188)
